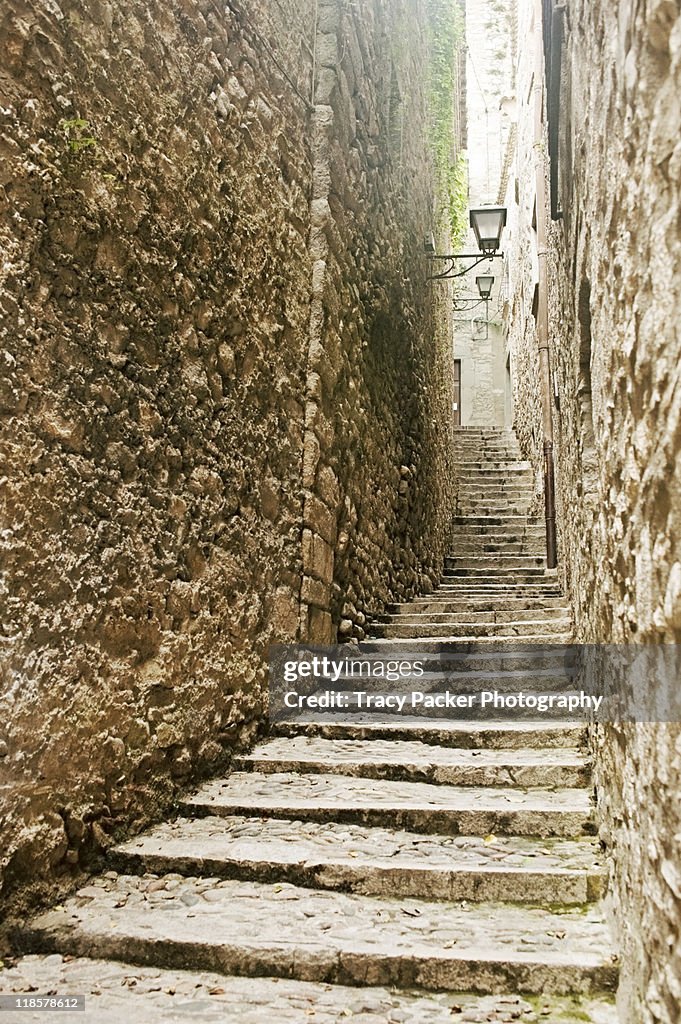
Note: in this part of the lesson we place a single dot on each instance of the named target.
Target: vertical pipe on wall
(543, 305)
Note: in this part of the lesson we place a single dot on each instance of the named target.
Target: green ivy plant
(447, 32)
(78, 134)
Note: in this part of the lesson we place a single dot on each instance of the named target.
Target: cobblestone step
(145, 995)
(370, 861)
(418, 807)
(246, 928)
(400, 760)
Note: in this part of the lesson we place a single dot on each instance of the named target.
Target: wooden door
(457, 392)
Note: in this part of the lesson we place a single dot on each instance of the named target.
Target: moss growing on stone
(447, 31)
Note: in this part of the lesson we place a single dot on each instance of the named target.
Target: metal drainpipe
(543, 304)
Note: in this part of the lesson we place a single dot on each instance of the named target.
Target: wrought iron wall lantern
(488, 224)
(485, 284)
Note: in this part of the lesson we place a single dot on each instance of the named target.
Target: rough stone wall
(156, 165)
(377, 472)
(520, 242)
(198, 398)
(615, 296)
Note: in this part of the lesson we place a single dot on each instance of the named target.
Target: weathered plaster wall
(615, 295)
(220, 368)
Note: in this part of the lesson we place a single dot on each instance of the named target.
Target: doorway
(457, 393)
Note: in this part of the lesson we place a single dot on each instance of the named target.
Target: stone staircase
(495, 582)
(419, 870)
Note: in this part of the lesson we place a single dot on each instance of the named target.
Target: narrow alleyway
(374, 871)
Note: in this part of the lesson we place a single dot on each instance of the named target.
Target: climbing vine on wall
(447, 31)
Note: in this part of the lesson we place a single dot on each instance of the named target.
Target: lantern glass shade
(487, 225)
(485, 285)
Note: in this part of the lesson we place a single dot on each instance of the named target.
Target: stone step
(371, 861)
(439, 604)
(478, 656)
(510, 580)
(523, 528)
(486, 492)
(464, 546)
(475, 449)
(502, 453)
(518, 652)
(437, 682)
(419, 643)
(490, 493)
(462, 592)
(428, 712)
(482, 475)
(118, 992)
(494, 468)
(441, 601)
(506, 507)
(483, 561)
(561, 629)
(462, 584)
(246, 928)
(491, 490)
(508, 574)
(411, 761)
(413, 616)
(466, 506)
(510, 537)
(501, 522)
(418, 807)
(490, 454)
(467, 735)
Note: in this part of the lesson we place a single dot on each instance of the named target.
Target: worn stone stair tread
(562, 637)
(427, 644)
(472, 810)
(405, 760)
(475, 733)
(423, 612)
(415, 616)
(470, 630)
(320, 935)
(116, 992)
(372, 861)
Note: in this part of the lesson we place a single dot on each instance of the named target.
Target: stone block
(318, 557)
(319, 519)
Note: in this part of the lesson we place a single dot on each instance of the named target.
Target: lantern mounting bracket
(449, 272)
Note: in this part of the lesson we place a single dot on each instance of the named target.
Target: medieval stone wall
(210, 381)
(379, 385)
(156, 165)
(616, 349)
